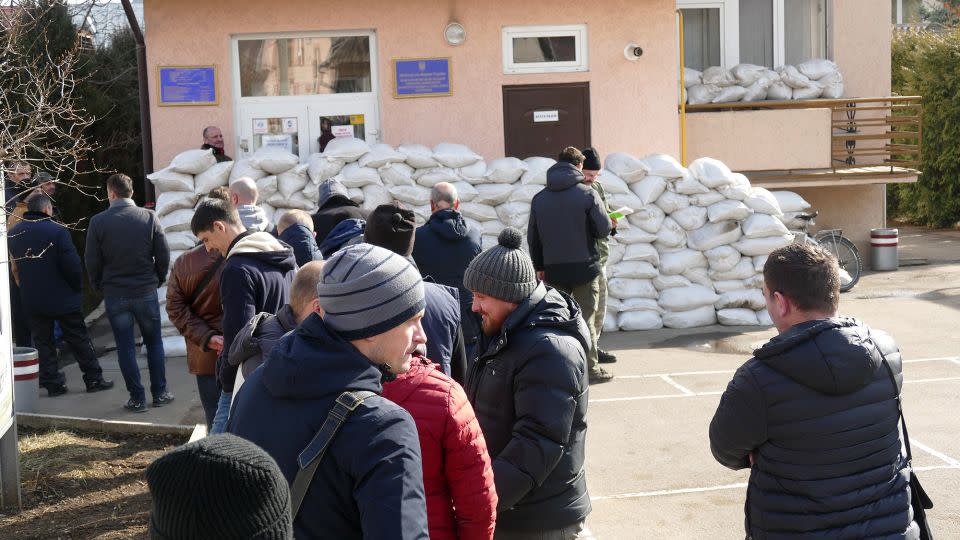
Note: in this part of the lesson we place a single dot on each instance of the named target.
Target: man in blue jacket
(295, 228)
(814, 414)
(369, 483)
(50, 285)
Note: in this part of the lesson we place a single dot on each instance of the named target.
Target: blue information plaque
(187, 85)
(421, 77)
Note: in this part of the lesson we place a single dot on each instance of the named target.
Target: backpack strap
(311, 456)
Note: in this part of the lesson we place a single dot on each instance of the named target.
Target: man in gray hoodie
(244, 195)
(566, 220)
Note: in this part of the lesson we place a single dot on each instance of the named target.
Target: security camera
(632, 51)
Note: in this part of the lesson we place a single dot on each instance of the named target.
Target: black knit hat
(503, 271)
(221, 486)
(591, 159)
(391, 227)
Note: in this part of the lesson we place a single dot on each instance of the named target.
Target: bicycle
(847, 254)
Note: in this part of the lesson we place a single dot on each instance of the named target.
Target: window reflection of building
(304, 66)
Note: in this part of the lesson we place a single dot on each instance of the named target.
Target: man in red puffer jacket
(457, 476)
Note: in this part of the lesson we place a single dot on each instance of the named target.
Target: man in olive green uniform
(591, 174)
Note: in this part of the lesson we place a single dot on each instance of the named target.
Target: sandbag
(474, 173)
(180, 240)
(346, 149)
(790, 201)
(699, 94)
(433, 176)
(275, 161)
(742, 270)
(524, 194)
(792, 221)
(627, 167)
(722, 258)
(493, 227)
(170, 180)
(374, 196)
(514, 214)
(633, 269)
(688, 185)
(670, 202)
(619, 200)
(613, 184)
(505, 170)
(779, 91)
(706, 199)
(616, 251)
(832, 86)
(704, 316)
(813, 91)
(270, 212)
(762, 246)
(728, 210)
(663, 165)
(691, 217)
(418, 156)
(631, 288)
(730, 94)
(744, 298)
(380, 155)
(212, 178)
(193, 161)
(763, 318)
(691, 77)
(747, 74)
(465, 191)
(292, 181)
(454, 155)
(698, 276)
(718, 76)
(639, 320)
(169, 201)
(712, 235)
(641, 252)
(355, 176)
(635, 235)
(295, 201)
(759, 262)
(754, 282)
(817, 68)
(415, 195)
(671, 234)
(663, 282)
(649, 218)
(649, 189)
(396, 174)
(687, 298)
(178, 220)
(793, 78)
(610, 322)
(355, 195)
(173, 347)
(760, 200)
(729, 285)
(319, 168)
(738, 190)
(677, 262)
(639, 304)
(757, 91)
(488, 241)
(493, 194)
(737, 317)
(246, 168)
(537, 170)
(479, 212)
(762, 225)
(711, 172)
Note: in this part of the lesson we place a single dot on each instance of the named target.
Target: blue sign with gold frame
(187, 85)
(421, 77)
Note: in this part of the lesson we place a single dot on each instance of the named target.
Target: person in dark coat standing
(127, 259)
(814, 414)
(444, 247)
(51, 280)
(256, 277)
(295, 228)
(529, 389)
(369, 483)
(566, 220)
(592, 173)
(334, 206)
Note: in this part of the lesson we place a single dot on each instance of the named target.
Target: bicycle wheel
(847, 254)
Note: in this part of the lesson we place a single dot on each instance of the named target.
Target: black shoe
(163, 399)
(54, 390)
(600, 376)
(604, 357)
(134, 405)
(99, 385)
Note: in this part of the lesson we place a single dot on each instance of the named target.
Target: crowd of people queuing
(363, 377)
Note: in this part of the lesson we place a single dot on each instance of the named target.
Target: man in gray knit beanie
(528, 387)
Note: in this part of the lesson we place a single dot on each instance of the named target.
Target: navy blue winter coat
(441, 324)
(816, 407)
(370, 483)
(48, 266)
(303, 243)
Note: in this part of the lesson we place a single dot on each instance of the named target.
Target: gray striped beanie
(503, 271)
(366, 290)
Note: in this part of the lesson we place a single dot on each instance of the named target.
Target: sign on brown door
(542, 119)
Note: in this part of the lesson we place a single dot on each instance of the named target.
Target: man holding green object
(591, 174)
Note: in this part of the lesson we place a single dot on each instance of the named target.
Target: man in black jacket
(213, 139)
(528, 387)
(814, 414)
(566, 220)
(51, 279)
(334, 206)
(127, 259)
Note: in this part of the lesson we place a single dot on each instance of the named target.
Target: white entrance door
(347, 119)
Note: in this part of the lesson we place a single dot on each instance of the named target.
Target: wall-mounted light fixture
(633, 51)
(454, 33)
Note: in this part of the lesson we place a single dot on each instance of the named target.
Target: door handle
(244, 145)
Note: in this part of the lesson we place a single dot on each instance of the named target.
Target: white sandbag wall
(812, 79)
(690, 255)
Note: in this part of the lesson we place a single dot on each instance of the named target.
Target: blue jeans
(223, 414)
(209, 396)
(145, 312)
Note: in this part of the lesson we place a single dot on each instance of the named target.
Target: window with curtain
(805, 30)
(701, 37)
(756, 32)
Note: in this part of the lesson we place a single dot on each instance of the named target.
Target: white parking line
(939, 455)
(675, 384)
(667, 492)
(941, 379)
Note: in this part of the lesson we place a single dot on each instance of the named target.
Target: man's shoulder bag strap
(310, 457)
(205, 281)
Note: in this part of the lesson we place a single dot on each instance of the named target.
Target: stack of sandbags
(811, 79)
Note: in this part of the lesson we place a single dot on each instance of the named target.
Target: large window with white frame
(765, 32)
(545, 49)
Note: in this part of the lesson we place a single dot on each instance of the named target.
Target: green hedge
(928, 64)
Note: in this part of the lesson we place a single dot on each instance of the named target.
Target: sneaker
(99, 385)
(136, 405)
(54, 390)
(600, 376)
(604, 357)
(163, 399)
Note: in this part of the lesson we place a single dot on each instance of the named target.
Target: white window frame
(578, 31)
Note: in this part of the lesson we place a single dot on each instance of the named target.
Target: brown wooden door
(542, 119)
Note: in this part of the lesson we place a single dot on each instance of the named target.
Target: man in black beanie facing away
(591, 176)
(528, 387)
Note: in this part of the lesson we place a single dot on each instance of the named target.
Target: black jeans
(75, 336)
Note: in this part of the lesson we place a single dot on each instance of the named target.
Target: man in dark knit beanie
(218, 487)
(528, 387)
(592, 170)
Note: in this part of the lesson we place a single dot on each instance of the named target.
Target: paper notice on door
(290, 125)
(546, 116)
(342, 131)
(260, 126)
(278, 142)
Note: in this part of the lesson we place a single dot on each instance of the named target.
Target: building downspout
(146, 130)
(683, 101)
